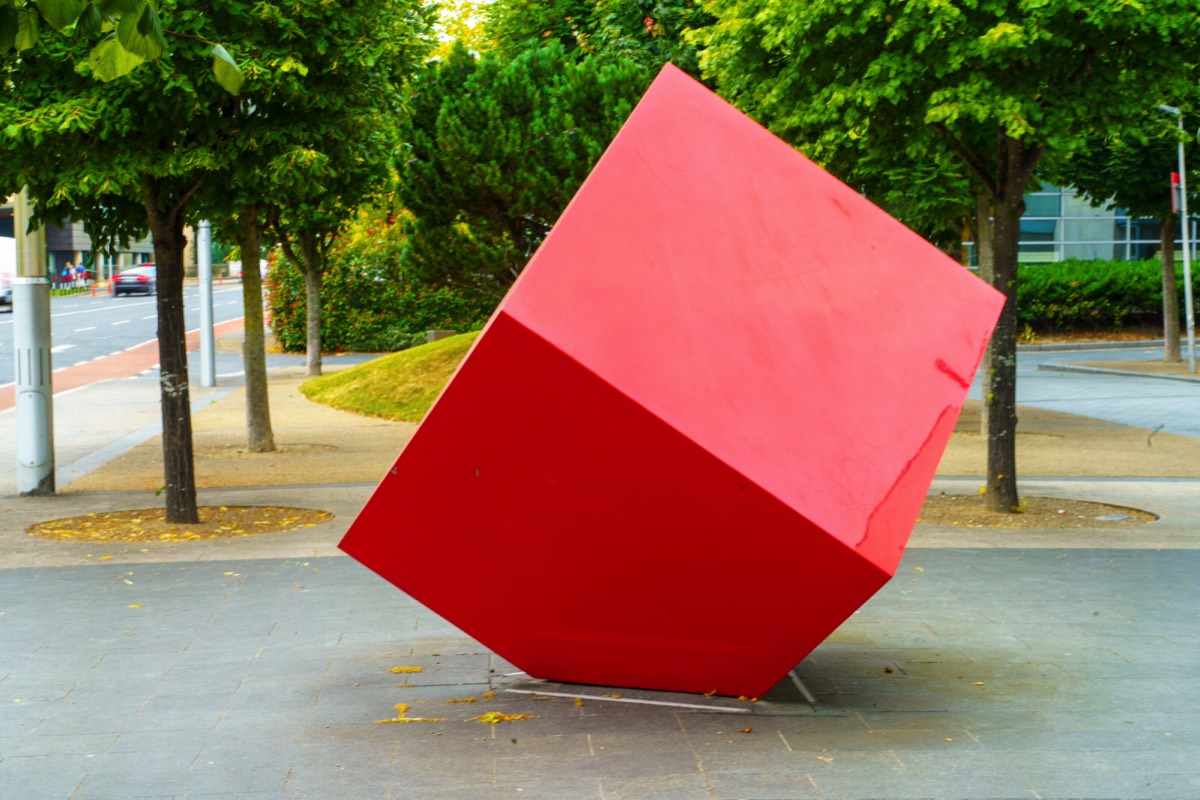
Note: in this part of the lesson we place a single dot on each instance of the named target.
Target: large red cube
(695, 436)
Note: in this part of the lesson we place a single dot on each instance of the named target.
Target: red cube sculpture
(695, 436)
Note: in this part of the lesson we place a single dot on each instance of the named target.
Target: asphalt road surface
(86, 328)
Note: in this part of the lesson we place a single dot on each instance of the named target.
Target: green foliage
(1131, 168)
(978, 90)
(493, 151)
(93, 150)
(648, 32)
(368, 302)
(1088, 295)
(133, 27)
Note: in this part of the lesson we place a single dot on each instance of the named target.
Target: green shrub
(1088, 295)
(368, 304)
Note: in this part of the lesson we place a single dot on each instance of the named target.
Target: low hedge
(1090, 295)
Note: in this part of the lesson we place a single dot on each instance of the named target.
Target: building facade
(1059, 225)
(69, 244)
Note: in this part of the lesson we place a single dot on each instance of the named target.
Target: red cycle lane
(124, 364)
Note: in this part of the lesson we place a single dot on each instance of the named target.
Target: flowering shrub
(368, 304)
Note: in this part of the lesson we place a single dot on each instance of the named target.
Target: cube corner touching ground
(696, 434)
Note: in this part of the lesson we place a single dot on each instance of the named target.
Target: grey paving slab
(986, 673)
(258, 668)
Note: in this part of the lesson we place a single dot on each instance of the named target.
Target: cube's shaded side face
(562, 525)
(697, 433)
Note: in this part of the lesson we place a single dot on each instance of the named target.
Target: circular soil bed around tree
(150, 525)
(1048, 513)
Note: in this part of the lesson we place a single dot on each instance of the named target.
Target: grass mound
(401, 386)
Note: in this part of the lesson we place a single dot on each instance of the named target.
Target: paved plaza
(1032, 664)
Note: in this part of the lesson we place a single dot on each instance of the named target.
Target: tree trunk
(313, 269)
(1166, 238)
(259, 436)
(1000, 377)
(166, 227)
(1015, 165)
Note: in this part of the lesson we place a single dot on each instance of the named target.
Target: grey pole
(1186, 225)
(31, 346)
(1187, 256)
(208, 358)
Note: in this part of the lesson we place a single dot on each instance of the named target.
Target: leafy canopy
(492, 152)
(130, 32)
(840, 76)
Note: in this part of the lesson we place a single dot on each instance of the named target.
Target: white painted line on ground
(61, 347)
(633, 700)
(122, 322)
(150, 316)
(81, 330)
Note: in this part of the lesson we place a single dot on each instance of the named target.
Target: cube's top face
(758, 305)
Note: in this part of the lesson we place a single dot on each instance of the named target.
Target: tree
(997, 82)
(121, 157)
(137, 153)
(324, 124)
(1131, 172)
(493, 151)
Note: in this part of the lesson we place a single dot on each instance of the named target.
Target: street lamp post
(208, 364)
(1187, 249)
(31, 349)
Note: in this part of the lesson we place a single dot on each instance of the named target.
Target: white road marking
(81, 330)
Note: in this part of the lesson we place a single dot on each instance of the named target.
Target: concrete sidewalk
(997, 664)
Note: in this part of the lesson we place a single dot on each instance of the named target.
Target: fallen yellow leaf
(496, 717)
(401, 716)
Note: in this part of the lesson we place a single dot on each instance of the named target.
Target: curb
(1067, 346)
(1121, 372)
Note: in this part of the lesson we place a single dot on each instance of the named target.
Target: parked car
(5, 292)
(138, 280)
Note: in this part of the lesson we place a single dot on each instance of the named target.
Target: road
(1142, 402)
(85, 329)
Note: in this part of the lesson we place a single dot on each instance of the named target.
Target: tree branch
(968, 157)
